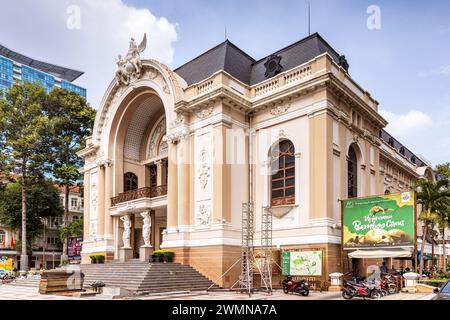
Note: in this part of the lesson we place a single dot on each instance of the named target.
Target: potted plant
(100, 258)
(157, 256)
(168, 256)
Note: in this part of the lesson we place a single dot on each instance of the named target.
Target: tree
(42, 201)
(24, 131)
(431, 195)
(443, 171)
(73, 229)
(443, 222)
(72, 119)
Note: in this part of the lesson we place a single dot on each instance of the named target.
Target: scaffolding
(246, 277)
(266, 250)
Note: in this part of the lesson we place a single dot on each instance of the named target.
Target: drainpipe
(250, 157)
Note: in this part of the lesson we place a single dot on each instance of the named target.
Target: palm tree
(443, 222)
(431, 195)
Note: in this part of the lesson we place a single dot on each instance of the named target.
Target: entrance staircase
(146, 278)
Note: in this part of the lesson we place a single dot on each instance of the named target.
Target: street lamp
(44, 244)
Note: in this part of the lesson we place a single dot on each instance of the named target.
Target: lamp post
(44, 244)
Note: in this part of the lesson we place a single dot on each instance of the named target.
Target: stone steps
(141, 277)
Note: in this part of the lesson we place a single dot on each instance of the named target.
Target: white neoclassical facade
(292, 132)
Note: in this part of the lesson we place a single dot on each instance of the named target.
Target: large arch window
(130, 182)
(352, 173)
(282, 181)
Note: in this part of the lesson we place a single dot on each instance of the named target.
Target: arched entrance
(127, 165)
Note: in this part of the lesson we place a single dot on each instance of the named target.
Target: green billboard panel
(379, 221)
(302, 263)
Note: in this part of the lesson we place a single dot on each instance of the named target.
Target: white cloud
(105, 30)
(404, 125)
(444, 70)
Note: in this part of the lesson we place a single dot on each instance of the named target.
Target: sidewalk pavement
(10, 292)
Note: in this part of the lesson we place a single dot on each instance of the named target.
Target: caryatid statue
(146, 228)
(126, 236)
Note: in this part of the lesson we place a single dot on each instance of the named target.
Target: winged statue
(130, 66)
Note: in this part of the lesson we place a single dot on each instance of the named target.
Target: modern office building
(15, 67)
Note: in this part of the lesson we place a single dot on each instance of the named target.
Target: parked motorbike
(301, 287)
(391, 283)
(363, 290)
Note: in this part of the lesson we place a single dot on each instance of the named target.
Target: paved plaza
(11, 292)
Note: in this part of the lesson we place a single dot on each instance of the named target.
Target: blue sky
(405, 65)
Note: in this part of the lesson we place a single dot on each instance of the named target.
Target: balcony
(146, 192)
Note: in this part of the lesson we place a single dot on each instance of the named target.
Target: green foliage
(73, 229)
(72, 119)
(443, 171)
(24, 127)
(42, 201)
(433, 196)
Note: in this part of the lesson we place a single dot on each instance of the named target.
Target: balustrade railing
(146, 192)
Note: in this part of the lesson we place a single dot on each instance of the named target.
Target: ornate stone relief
(92, 231)
(206, 112)
(280, 109)
(204, 215)
(155, 138)
(174, 137)
(180, 119)
(204, 170)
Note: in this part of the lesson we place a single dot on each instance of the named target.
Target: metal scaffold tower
(266, 250)
(246, 278)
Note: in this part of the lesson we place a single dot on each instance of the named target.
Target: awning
(394, 253)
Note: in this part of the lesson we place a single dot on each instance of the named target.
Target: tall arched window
(352, 173)
(130, 181)
(282, 180)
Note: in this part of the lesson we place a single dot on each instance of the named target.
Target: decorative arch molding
(156, 77)
(157, 138)
(354, 141)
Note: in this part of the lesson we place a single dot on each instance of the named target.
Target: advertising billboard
(74, 248)
(302, 263)
(379, 221)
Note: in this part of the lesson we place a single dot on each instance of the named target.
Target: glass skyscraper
(16, 67)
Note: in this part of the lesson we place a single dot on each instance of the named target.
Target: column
(172, 189)
(101, 202)
(183, 158)
(159, 173)
(221, 176)
(86, 204)
(109, 170)
(321, 166)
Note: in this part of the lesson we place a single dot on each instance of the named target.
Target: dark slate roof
(228, 57)
(57, 71)
(225, 56)
(401, 149)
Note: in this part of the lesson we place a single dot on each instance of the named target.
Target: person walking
(384, 268)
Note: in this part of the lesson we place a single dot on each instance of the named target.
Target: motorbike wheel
(375, 294)
(305, 292)
(285, 290)
(346, 295)
(384, 292)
